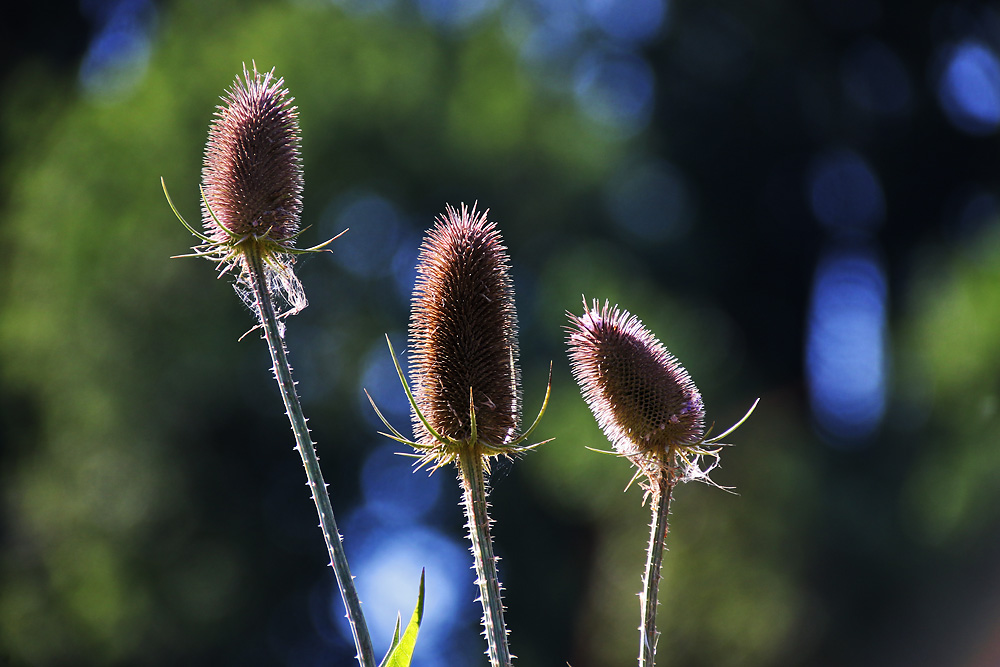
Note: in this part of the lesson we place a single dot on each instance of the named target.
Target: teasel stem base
(472, 476)
(654, 559)
(306, 448)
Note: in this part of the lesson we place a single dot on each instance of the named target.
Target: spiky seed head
(252, 175)
(463, 332)
(642, 398)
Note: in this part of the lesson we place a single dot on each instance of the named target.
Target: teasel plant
(466, 394)
(652, 413)
(251, 195)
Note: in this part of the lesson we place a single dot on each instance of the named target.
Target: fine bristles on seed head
(252, 175)
(642, 398)
(463, 332)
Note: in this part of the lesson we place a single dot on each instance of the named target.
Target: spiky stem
(473, 479)
(306, 448)
(651, 577)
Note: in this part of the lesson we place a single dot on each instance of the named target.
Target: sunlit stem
(473, 479)
(306, 447)
(651, 577)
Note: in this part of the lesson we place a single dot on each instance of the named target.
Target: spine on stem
(651, 576)
(652, 413)
(307, 450)
(473, 483)
(466, 397)
(251, 204)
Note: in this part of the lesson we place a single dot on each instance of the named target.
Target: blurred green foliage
(123, 367)
(952, 335)
(143, 446)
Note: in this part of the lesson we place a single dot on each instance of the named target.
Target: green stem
(473, 480)
(306, 447)
(651, 578)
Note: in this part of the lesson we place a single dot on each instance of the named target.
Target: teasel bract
(466, 396)
(251, 203)
(652, 413)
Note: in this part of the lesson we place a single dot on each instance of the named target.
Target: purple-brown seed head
(252, 175)
(463, 332)
(642, 398)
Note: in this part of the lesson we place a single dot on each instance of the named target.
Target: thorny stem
(651, 578)
(306, 447)
(472, 476)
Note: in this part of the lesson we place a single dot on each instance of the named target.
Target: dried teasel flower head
(466, 396)
(252, 189)
(643, 399)
(252, 175)
(463, 333)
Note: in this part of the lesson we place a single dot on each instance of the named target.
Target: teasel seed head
(252, 175)
(466, 395)
(251, 192)
(643, 399)
(463, 333)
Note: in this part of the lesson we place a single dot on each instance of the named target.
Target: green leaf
(395, 641)
(401, 650)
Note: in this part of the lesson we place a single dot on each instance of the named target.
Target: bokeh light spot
(845, 193)
(650, 201)
(119, 51)
(393, 490)
(454, 13)
(549, 34)
(615, 90)
(387, 572)
(846, 356)
(876, 80)
(969, 88)
(380, 379)
(631, 21)
(372, 239)
(404, 265)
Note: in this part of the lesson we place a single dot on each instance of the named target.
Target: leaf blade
(401, 652)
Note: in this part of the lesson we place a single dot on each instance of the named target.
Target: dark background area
(798, 198)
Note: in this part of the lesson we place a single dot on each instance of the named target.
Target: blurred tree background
(799, 198)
